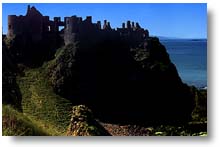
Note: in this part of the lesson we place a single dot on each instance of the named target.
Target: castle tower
(123, 25)
(99, 25)
(56, 24)
(79, 19)
(132, 25)
(34, 22)
(137, 25)
(105, 25)
(28, 8)
(89, 19)
(71, 25)
(12, 26)
(128, 25)
(108, 25)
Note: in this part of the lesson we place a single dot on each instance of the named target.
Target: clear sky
(168, 19)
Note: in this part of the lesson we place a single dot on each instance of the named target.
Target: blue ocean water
(190, 58)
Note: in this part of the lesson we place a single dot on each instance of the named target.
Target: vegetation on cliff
(10, 90)
(62, 71)
(41, 104)
(15, 123)
(111, 77)
(122, 84)
(200, 110)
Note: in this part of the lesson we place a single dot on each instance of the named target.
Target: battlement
(36, 25)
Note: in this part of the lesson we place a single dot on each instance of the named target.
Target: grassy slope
(15, 123)
(45, 113)
(41, 105)
(44, 110)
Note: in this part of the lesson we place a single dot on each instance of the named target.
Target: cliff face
(32, 53)
(122, 75)
(10, 90)
(122, 81)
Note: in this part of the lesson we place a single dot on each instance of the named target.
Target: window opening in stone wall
(61, 27)
(49, 28)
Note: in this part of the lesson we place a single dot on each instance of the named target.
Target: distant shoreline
(181, 39)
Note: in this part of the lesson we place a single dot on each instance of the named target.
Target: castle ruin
(35, 26)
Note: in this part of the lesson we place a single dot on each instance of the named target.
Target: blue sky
(168, 19)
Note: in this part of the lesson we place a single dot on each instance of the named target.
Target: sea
(190, 58)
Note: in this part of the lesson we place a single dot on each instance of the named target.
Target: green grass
(15, 123)
(200, 111)
(190, 129)
(45, 113)
(41, 104)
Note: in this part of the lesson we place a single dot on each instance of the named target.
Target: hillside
(88, 74)
(88, 80)
(46, 110)
(39, 103)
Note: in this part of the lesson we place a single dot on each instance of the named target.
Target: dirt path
(126, 130)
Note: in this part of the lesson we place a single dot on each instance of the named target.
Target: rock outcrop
(83, 123)
(62, 71)
(10, 90)
(123, 82)
(122, 75)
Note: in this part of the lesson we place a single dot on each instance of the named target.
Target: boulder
(83, 123)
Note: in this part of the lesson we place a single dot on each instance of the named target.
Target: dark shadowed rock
(200, 111)
(124, 83)
(62, 71)
(121, 74)
(10, 91)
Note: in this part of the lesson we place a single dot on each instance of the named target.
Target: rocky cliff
(10, 90)
(122, 81)
(111, 77)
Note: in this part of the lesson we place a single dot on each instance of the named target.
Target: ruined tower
(128, 24)
(12, 29)
(31, 24)
(34, 26)
(71, 25)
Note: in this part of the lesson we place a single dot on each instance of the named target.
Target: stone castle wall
(35, 26)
